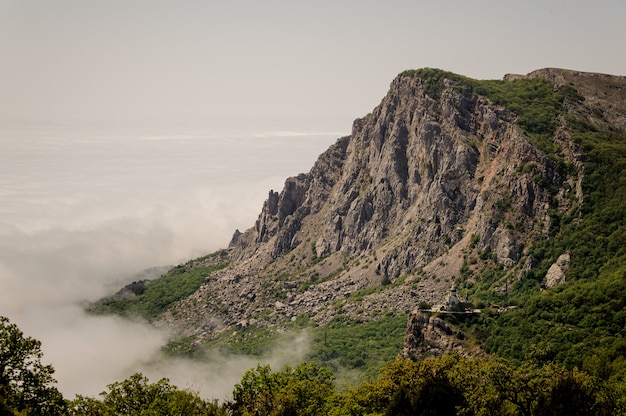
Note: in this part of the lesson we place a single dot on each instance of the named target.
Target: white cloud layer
(79, 219)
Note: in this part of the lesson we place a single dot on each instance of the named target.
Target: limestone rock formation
(556, 273)
(429, 180)
(425, 172)
(431, 336)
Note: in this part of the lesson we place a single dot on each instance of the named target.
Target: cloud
(82, 213)
(45, 278)
(90, 352)
(269, 134)
(216, 375)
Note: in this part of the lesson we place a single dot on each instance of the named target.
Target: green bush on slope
(585, 318)
(159, 294)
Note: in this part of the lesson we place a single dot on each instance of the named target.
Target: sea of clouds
(85, 207)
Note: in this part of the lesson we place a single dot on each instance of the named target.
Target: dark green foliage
(449, 385)
(26, 385)
(359, 345)
(572, 323)
(586, 317)
(159, 294)
(303, 390)
(137, 396)
(452, 385)
(570, 394)
(567, 324)
(437, 396)
(402, 404)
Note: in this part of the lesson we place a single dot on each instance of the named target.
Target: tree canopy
(26, 385)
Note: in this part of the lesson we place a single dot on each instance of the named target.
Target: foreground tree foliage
(26, 385)
(304, 390)
(450, 385)
(453, 385)
(137, 396)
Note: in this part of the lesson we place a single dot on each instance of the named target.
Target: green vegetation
(450, 385)
(435, 80)
(353, 344)
(474, 240)
(160, 294)
(251, 340)
(385, 284)
(534, 101)
(303, 390)
(488, 280)
(137, 396)
(568, 324)
(344, 343)
(26, 385)
(586, 318)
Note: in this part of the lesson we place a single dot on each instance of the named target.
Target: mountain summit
(493, 187)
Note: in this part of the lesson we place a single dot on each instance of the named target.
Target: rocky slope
(431, 336)
(437, 183)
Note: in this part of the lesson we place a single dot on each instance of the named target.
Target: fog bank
(82, 211)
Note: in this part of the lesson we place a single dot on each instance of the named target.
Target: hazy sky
(323, 61)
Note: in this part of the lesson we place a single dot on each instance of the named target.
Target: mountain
(511, 191)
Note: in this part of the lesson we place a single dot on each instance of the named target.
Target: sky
(317, 62)
(139, 133)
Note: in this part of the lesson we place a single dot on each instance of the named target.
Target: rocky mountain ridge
(438, 183)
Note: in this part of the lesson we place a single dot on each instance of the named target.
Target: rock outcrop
(556, 273)
(431, 336)
(425, 172)
(428, 181)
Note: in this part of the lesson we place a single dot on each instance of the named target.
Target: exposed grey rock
(556, 273)
(429, 335)
(420, 183)
(418, 167)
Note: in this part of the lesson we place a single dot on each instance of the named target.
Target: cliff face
(426, 180)
(431, 336)
(427, 173)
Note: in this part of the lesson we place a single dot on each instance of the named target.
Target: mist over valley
(84, 208)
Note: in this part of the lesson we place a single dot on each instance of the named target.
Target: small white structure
(450, 304)
(452, 300)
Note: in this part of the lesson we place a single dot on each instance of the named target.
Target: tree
(304, 390)
(137, 396)
(26, 385)
(574, 393)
